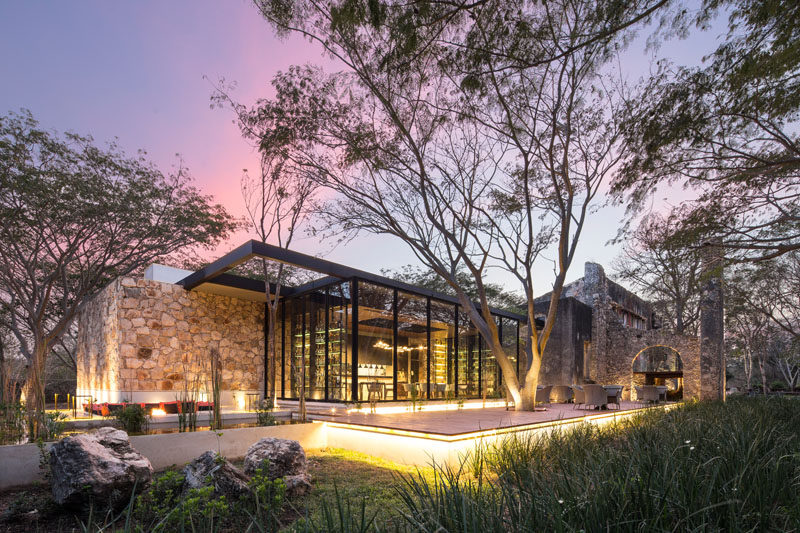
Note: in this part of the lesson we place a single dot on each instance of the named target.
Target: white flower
(691, 448)
(687, 441)
(560, 501)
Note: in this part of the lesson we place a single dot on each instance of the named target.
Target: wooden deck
(467, 421)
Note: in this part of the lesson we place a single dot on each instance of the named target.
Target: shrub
(704, 466)
(264, 415)
(163, 496)
(778, 385)
(266, 499)
(12, 423)
(133, 418)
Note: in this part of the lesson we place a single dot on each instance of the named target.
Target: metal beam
(252, 249)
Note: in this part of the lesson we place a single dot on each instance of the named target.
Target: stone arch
(657, 358)
(658, 364)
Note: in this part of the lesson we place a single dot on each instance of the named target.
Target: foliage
(160, 499)
(74, 216)
(711, 466)
(264, 415)
(729, 126)
(667, 274)
(133, 418)
(53, 426)
(495, 293)
(266, 501)
(12, 423)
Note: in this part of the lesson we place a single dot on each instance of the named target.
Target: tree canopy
(727, 130)
(73, 216)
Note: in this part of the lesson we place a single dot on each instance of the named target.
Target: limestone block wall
(144, 340)
(614, 347)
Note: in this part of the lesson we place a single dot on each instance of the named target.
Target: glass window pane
(412, 349)
(442, 345)
(468, 353)
(490, 370)
(315, 345)
(375, 342)
(339, 344)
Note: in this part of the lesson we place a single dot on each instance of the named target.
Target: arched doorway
(659, 365)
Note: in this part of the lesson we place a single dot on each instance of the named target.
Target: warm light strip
(497, 431)
(421, 407)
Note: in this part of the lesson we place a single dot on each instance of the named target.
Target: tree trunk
(748, 368)
(272, 346)
(3, 377)
(34, 390)
(763, 375)
(528, 392)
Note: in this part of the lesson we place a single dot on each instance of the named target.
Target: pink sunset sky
(139, 71)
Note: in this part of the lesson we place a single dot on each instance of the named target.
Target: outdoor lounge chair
(560, 394)
(543, 394)
(614, 393)
(647, 394)
(595, 395)
(579, 397)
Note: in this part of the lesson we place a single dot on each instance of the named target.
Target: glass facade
(362, 341)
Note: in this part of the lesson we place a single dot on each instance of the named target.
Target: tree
(728, 131)
(73, 217)
(663, 271)
(474, 159)
(495, 293)
(279, 201)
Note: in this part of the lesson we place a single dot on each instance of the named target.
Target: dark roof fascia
(248, 284)
(253, 249)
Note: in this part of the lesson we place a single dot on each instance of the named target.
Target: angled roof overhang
(215, 273)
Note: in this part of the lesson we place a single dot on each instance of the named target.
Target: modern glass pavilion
(356, 336)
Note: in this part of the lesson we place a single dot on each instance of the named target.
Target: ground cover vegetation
(712, 466)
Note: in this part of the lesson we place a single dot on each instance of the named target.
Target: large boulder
(285, 458)
(101, 467)
(213, 469)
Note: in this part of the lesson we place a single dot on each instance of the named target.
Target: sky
(142, 72)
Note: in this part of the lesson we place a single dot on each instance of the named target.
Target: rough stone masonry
(141, 340)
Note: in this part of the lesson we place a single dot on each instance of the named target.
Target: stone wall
(614, 347)
(562, 363)
(144, 340)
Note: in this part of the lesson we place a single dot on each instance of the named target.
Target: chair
(560, 394)
(579, 397)
(595, 395)
(616, 394)
(543, 394)
(648, 394)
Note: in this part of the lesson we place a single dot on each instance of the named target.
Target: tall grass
(704, 466)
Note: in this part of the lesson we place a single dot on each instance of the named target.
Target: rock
(298, 485)
(100, 466)
(287, 460)
(212, 469)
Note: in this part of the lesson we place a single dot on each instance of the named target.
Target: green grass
(710, 466)
(343, 475)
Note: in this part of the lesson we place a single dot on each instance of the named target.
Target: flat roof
(216, 273)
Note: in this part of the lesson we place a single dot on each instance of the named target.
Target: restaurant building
(353, 336)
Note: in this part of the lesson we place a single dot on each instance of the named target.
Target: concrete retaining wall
(19, 465)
